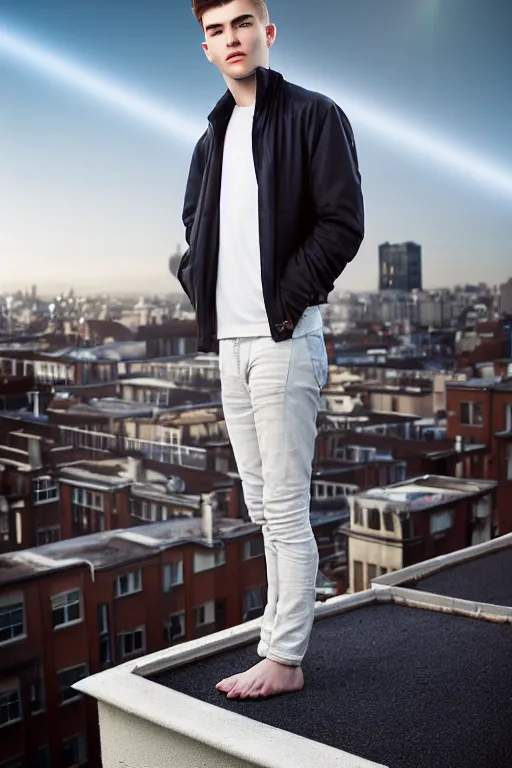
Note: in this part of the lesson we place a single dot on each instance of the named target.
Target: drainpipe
(459, 447)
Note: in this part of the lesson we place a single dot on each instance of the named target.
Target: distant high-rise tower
(400, 267)
(34, 292)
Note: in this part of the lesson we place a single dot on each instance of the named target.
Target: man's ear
(204, 46)
(271, 34)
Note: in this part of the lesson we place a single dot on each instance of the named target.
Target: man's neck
(243, 90)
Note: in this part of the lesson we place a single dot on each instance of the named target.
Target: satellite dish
(175, 484)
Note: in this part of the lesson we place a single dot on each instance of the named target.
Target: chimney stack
(135, 469)
(209, 506)
(34, 452)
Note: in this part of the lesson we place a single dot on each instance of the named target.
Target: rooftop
(404, 447)
(146, 476)
(384, 682)
(148, 382)
(105, 473)
(487, 579)
(495, 383)
(111, 548)
(429, 491)
(112, 407)
(395, 676)
(361, 417)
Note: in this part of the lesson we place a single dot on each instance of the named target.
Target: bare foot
(267, 678)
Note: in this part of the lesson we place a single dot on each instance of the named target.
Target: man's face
(236, 39)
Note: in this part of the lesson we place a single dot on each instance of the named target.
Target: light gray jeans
(270, 396)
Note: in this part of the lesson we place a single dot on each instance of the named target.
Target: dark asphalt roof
(404, 687)
(486, 579)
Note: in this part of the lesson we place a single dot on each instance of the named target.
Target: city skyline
(92, 196)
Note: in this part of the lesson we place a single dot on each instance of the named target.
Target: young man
(273, 214)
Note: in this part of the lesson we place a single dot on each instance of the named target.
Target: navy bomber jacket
(311, 213)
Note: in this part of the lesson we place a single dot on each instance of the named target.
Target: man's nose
(232, 38)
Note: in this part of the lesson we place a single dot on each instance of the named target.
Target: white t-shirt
(240, 304)
(239, 294)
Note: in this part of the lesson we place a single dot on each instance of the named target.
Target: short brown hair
(199, 8)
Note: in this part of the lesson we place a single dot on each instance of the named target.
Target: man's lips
(236, 55)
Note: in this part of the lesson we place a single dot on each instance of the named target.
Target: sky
(91, 186)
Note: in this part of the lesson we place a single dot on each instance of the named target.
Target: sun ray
(445, 153)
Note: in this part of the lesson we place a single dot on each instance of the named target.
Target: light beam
(98, 86)
(445, 153)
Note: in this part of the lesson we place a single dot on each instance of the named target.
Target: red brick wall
(504, 492)
(54, 649)
(428, 546)
(454, 398)
(69, 646)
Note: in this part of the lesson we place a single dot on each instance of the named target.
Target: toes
(227, 684)
(237, 690)
(234, 692)
(246, 691)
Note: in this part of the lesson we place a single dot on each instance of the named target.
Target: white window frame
(204, 615)
(88, 499)
(11, 605)
(6, 695)
(508, 417)
(387, 514)
(183, 627)
(173, 574)
(75, 695)
(206, 561)
(368, 511)
(48, 533)
(104, 632)
(42, 698)
(471, 413)
(63, 597)
(440, 522)
(81, 750)
(134, 583)
(131, 633)
(509, 461)
(47, 486)
(253, 600)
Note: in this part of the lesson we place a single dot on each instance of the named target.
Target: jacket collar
(267, 81)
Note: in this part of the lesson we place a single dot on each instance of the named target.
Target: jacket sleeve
(192, 192)
(339, 211)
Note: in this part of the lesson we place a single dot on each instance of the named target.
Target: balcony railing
(170, 453)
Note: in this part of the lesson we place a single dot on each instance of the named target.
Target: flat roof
(486, 579)
(111, 548)
(404, 687)
(496, 383)
(113, 473)
(148, 382)
(428, 491)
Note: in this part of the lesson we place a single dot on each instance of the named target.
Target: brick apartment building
(48, 497)
(480, 411)
(75, 607)
(61, 368)
(382, 460)
(394, 527)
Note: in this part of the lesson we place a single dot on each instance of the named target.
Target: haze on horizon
(91, 196)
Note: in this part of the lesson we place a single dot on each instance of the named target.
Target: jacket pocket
(318, 353)
(185, 276)
(292, 306)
